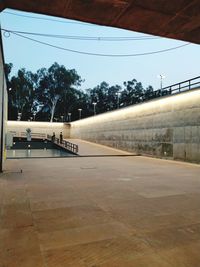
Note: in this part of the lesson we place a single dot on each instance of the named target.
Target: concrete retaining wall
(39, 127)
(165, 127)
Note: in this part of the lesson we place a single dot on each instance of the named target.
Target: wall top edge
(147, 104)
(36, 123)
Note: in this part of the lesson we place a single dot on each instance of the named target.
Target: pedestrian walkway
(105, 211)
(91, 149)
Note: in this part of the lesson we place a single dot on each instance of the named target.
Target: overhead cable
(99, 54)
(86, 38)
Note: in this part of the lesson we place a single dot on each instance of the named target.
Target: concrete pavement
(91, 149)
(100, 212)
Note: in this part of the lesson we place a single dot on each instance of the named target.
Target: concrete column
(3, 113)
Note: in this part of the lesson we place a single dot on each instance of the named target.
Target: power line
(85, 38)
(98, 54)
(49, 19)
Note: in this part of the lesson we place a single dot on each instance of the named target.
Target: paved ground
(91, 149)
(100, 212)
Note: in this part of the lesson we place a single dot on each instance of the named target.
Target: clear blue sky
(176, 65)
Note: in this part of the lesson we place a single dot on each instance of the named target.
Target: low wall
(39, 127)
(165, 127)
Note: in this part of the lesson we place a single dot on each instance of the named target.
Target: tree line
(55, 94)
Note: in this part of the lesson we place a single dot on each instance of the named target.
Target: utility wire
(49, 19)
(85, 38)
(98, 54)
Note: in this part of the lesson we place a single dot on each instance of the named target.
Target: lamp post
(69, 117)
(118, 95)
(161, 80)
(80, 110)
(94, 104)
(19, 116)
(34, 114)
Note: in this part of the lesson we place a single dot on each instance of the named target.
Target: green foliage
(105, 96)
(57, 85)
(21, 94)
(51, 94)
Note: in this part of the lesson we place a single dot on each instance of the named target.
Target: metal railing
(63, 143)
(175, 88)
(33, 135)
(183, 86)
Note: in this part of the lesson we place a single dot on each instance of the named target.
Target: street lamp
(69, 117)
(19, 116)
(118, 95)
(34, 114)
(80, 109)
(161, 80)
(94, 103)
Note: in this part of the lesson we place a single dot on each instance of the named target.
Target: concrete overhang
(177, 19)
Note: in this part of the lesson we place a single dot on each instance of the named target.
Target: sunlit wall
(38, 127)
(166, 127)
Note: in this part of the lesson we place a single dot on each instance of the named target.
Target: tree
(148, 93)
(57, 85)
(21, 94)
(52, 93)
(132, 93)
(99, 95)
(113, 97)
(105, 96)
(12, 112)
(8, 68)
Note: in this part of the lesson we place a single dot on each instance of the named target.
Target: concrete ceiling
(178, 19)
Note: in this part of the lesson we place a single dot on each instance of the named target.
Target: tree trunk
(54, 102)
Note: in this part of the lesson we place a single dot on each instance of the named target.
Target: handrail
(63, 143)
(24, 134)
(189, 81)
(178, 87)
(66, 144)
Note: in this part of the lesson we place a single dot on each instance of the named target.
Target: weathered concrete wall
(39, 127)
(165, 127)
(3, 108)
